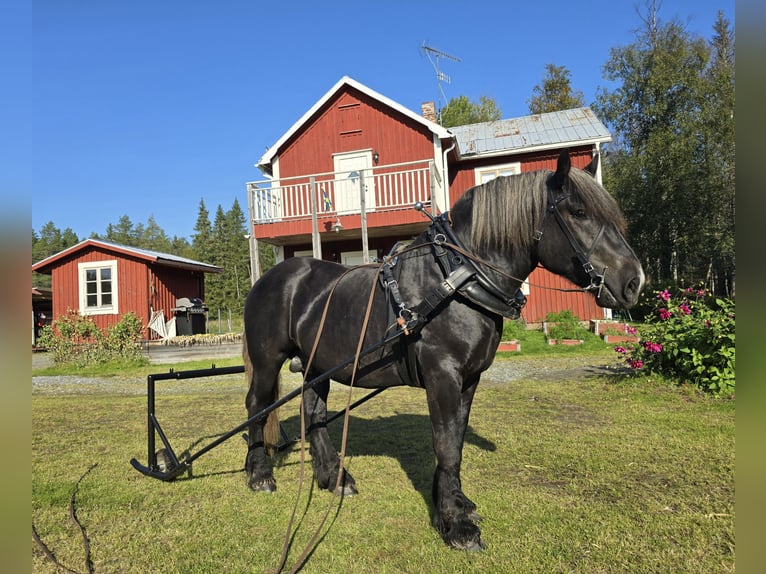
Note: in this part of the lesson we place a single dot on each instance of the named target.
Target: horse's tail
(271, 433)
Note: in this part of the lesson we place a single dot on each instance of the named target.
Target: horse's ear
(592, 167)
(563, 165)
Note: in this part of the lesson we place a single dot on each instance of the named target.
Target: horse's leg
(263, 391)
(454, 514)
(325, 459)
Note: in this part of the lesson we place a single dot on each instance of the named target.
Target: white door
(351, 168)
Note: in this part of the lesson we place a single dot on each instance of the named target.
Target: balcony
(384, 195)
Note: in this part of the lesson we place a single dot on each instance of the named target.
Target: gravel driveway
(570, 367)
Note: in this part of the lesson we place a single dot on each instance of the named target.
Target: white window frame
(513, 168)
(82, 269)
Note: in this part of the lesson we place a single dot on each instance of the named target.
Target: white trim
(82, 268)
(513, 167)
(533, 149)
(267, 157)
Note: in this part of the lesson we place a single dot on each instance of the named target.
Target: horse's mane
(505, 212)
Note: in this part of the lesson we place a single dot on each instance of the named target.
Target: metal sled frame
(175, 467)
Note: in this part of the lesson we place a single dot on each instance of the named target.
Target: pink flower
(635, 363)
(685, 308)
(664, 295)
(665, 314)
(621, 350)
(631, 330)
(653, 347)
(700, 293)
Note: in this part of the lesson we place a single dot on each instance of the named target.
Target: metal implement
(165, 464)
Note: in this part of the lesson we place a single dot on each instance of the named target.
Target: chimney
(428, 110)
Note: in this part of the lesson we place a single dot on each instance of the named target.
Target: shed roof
(577, 126)
(164, 259)
(264, 164)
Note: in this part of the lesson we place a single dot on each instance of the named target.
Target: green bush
(565, 325)
(689, 337)
(76, 340)
(513, 329)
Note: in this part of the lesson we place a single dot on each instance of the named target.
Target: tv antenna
(433, 56)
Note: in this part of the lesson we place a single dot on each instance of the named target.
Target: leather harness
(461, 276)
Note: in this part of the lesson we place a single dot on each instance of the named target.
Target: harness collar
(479, 287)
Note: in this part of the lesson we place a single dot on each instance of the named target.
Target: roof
(264, 164)
(164, 259)
(577, 126)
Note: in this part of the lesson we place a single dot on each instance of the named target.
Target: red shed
(341, 182)
(104, 280)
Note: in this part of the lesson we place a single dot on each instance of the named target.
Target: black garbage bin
(191, 316)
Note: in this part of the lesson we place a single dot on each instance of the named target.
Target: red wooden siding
(544, 296)
(353, 121)
(140, 286)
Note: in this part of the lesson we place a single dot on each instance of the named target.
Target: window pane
(92, 301)
(91, 288)
(106, 299)
(90, 275)
(106, 273)
(106, 287)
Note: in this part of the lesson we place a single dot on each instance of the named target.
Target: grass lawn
(590, 475)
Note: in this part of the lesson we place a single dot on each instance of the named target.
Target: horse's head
(582, 237)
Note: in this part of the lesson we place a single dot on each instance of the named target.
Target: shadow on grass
(403, 437)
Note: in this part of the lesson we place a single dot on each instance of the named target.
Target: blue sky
(144, 108)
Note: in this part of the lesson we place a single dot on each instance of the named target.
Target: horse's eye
(579, 213)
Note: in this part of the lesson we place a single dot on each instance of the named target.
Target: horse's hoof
(265, 485)
(346, 490)
(469, 545)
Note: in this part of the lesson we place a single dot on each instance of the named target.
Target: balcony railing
(386, 188)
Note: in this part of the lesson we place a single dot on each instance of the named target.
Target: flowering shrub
(689, 337)
(74, 339)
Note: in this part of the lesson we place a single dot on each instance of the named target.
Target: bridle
(583, 256)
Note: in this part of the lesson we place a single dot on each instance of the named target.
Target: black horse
(456, 281)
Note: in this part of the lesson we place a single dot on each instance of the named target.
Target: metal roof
(576, 126)
(166, 259)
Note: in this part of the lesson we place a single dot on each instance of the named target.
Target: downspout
(445, 173)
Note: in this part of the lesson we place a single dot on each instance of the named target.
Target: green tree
(153, 237)
(671, 164)
(123, 232)
(203, 231)
(555, 93)
(238, 257)
(49, 241)
(461, 111)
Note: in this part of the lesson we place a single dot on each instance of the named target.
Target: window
(98, 287)
(485, 174)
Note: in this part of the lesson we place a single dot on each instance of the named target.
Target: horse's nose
(633, 289)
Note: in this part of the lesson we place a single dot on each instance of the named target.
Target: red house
(341, 182)
(104, 280)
